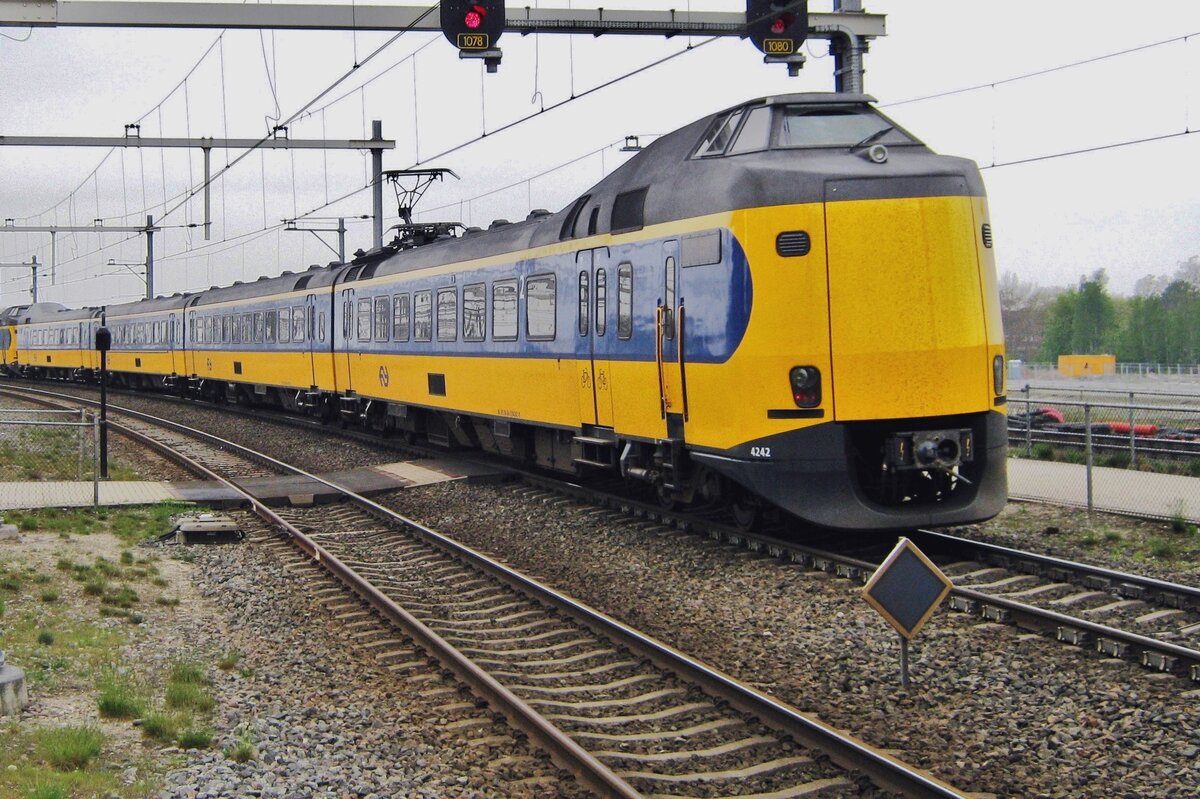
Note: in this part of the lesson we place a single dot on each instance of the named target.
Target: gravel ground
(325, 719)
(990, 709)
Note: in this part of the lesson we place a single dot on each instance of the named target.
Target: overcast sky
(1131, 210)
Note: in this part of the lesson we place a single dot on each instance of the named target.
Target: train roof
(46, 312)
(164, 304)
(315, 276)
(666, 181)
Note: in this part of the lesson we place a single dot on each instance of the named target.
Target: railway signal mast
(778, 28)
(473, 26)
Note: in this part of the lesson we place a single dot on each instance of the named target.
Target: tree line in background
(1160, 323)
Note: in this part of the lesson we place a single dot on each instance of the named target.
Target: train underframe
(834, 475)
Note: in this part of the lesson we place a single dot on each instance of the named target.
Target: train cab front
(871, 373)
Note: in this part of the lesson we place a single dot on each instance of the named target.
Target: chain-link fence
(1112, 433)
(49, 445)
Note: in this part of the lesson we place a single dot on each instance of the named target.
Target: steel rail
(883, 769)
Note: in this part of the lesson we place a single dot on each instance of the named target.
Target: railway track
(628, 715)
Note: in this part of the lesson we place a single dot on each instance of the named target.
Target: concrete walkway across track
(1113, 490)
(270, 490)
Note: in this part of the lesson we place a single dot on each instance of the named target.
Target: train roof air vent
(538, 213)
(498, 223)
(793, 243)
(471, 231)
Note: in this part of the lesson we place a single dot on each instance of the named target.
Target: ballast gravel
(323, 718)
(989, 709)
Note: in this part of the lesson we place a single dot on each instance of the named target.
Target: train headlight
(998, 374)
(806, 386)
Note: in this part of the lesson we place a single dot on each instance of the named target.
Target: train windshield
(833, 126)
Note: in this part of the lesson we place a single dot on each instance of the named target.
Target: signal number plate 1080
(472, 41)
(774, 46)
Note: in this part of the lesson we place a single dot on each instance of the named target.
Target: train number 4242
(760, 452)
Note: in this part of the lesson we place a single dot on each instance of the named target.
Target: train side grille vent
(987, 235)
(793, 243)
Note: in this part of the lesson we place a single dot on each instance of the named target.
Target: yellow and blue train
(790, 304)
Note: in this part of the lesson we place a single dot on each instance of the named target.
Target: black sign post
(103, 345)
(906, 589)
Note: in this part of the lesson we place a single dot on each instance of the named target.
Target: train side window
(382, 320)
(400, 317)
(271, 320)
(192, 327)
(247, 328)
(285, 325)
(474, 312)
(625, 301)
(601, 301)
(363, 327)
(540, 308)
(669, 298)
(584, 302)
(423, 315)
(237, 329)
(321, 326)
(447, 314)
(504, 310)
(226, 328)
(259, 327)
(299, 322)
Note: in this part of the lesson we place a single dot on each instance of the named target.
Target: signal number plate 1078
(472, 41)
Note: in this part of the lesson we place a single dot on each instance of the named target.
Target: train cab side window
(474, 312)
(584, 303)
(719, 134)
(755, 134)
(299, 322)
(363, 327)
(669, 298)
(447, 314)
(400, 315)
(504, 310)
(601, 300)
(540, 308)
(382, 317)
(423, 316)
(272, 321)
(625, 301)
(285, 325)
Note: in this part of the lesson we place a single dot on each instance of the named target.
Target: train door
(593, 327)
(319, 352)
(669, 349)
(343, 336)
(173, 345)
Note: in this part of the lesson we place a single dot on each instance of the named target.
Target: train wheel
(667, 499)
(747, 512)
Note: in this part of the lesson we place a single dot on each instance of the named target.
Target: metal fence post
(1087, 446)
(95, 460)
(1028, 426)
(80, 434)
(1132, 445)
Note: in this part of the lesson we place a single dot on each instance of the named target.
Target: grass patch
(10, 583)
(241, 752)
(126, 558)
(167, 601)
(46, 638)
(188, 696)
(196, 738)
(1160, 547)
(95, 587)
(229, 661)
(69, 748)
(159, 726)
(47, 792)
(189, 673)
(49, 595)
(123, 597)
(119, 699)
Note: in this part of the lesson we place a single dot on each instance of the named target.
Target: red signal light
(778, 26)
(782, 23)
(474, 17)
